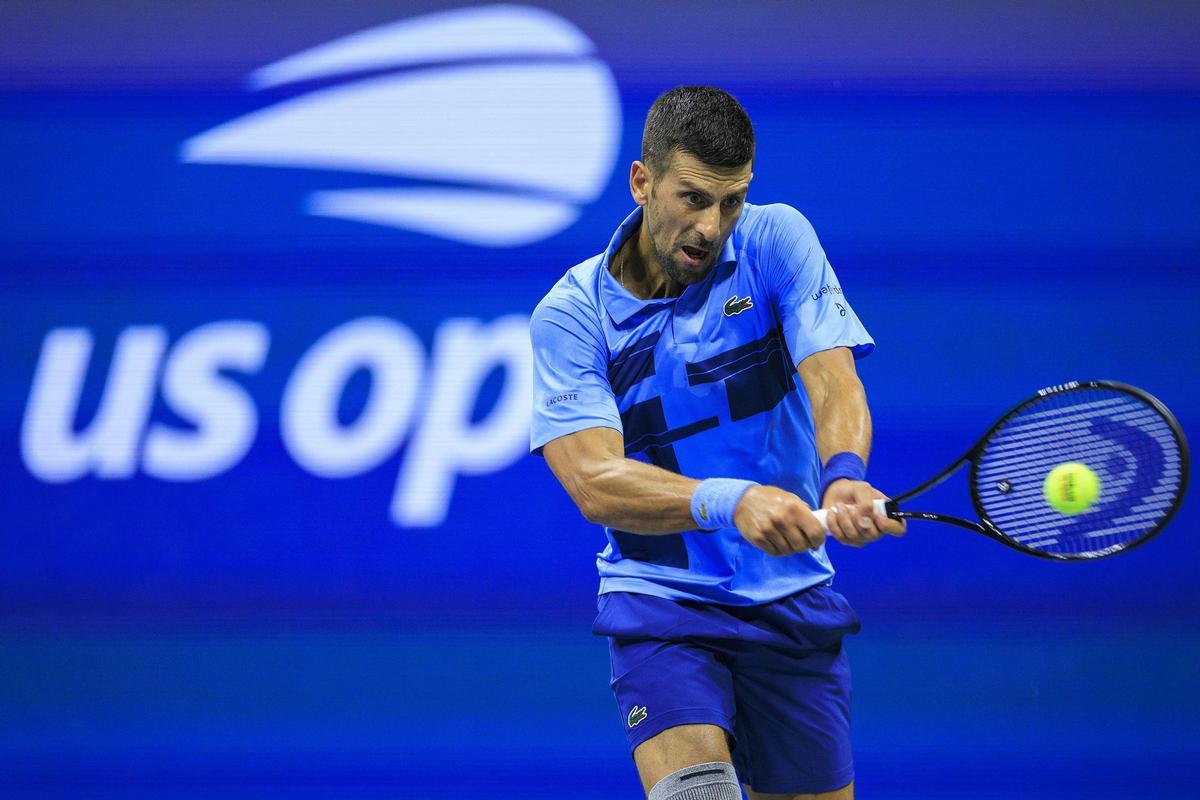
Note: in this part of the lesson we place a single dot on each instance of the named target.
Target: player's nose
(708, 225)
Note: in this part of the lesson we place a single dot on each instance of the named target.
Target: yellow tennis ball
(1071, 488)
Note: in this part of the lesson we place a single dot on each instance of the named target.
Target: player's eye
(732, 202)
(692, 198)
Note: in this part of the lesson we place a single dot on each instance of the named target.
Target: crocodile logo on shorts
(637, 715)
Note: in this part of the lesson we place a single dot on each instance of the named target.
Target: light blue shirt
(703, 384)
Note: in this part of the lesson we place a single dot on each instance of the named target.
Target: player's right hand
(777, 522)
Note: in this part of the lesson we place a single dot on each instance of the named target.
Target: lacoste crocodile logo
(736, 305)
(637, 715)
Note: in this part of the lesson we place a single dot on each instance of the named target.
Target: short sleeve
(570, 375)
(813, 310)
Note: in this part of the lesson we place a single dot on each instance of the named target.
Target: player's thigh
(793, 728)
(844, 793)
(679, 747)
(793, 700)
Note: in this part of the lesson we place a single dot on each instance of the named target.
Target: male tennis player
(666, 404)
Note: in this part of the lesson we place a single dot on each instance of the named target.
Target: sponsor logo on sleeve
(827, 289)
(637, 715)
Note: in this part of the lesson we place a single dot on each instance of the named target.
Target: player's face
(690, 210)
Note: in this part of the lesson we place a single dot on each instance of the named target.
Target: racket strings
(1120, 437)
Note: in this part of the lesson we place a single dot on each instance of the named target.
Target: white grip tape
(822, 513)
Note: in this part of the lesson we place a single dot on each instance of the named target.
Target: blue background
(1010, 199)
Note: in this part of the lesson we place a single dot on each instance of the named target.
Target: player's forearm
(841, 418)
(636, 497)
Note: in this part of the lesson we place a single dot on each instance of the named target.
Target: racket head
(1126, 436)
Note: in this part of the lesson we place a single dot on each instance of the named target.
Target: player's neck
(639, 271)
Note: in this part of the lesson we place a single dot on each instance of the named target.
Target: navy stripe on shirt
(731, 362)
(634, 363)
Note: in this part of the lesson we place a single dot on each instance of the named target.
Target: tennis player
(666, 403)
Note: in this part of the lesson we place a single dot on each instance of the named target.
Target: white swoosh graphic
(475, 32)
(543, 127)
(488, 219)
(530, 139)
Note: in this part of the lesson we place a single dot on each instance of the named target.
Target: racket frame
(990, 529)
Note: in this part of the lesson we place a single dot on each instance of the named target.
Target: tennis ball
(1071, 488)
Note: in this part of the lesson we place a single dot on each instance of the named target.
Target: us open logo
(499, 121)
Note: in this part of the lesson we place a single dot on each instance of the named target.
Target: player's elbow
(588, 493)
(590, 503)
(591, 510)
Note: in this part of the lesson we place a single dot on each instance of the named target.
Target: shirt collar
(619, 301)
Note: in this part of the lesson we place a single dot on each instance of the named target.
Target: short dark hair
(704, 121)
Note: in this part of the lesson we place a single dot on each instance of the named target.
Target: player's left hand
(852, 519)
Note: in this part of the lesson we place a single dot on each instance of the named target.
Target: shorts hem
(673, 719)
(612, 584)
(829, 783)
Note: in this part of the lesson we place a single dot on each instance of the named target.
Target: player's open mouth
(694, 254)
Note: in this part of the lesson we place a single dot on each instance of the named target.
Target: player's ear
(639, 182)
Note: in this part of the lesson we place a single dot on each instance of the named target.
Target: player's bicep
(578, 457)
(824, 370)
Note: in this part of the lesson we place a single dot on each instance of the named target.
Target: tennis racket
(1127, 437)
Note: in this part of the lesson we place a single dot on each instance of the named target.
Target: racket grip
(881, 507)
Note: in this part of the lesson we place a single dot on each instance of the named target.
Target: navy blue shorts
(774, 676)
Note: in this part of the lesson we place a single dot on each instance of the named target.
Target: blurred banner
(267, 281)
(266, 274)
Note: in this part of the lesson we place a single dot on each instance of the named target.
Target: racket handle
(881, 507)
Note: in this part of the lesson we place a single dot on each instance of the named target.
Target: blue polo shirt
(704, 385)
